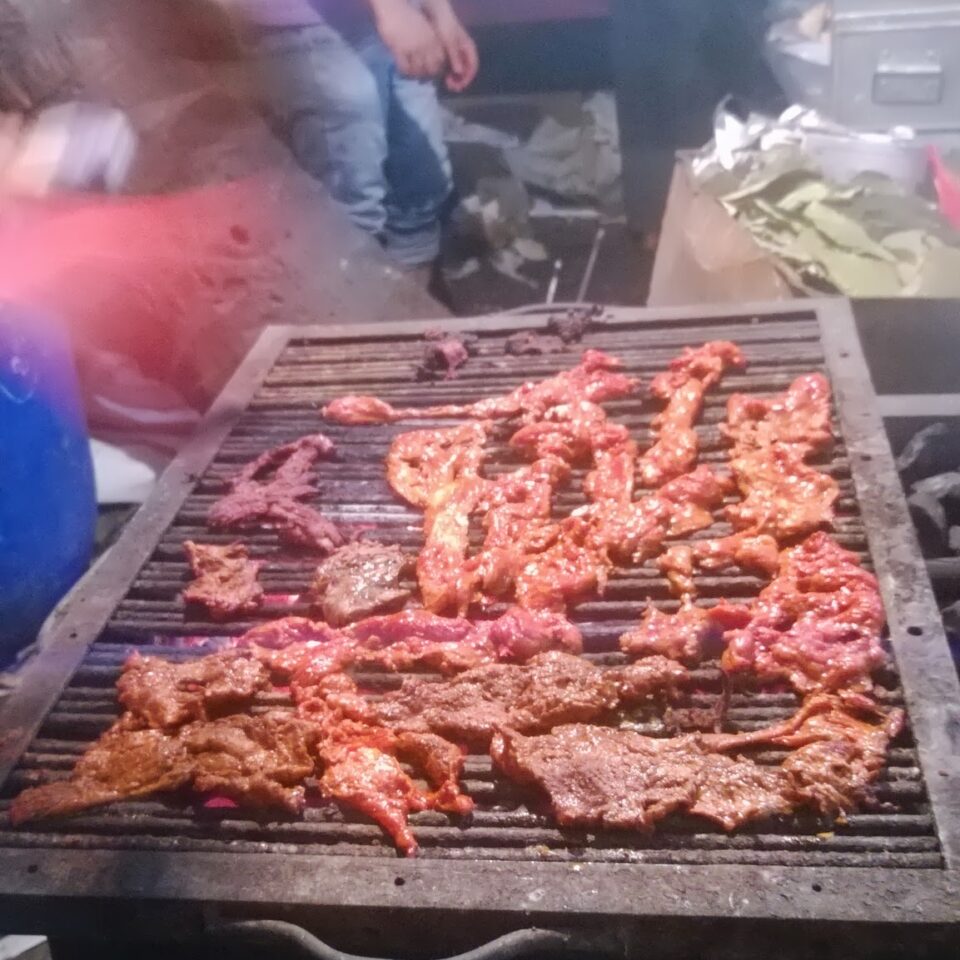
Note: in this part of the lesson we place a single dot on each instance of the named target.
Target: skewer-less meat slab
(226, 579)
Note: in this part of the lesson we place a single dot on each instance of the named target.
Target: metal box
(897, 62)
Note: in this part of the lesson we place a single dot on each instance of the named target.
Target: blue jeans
(372, 134)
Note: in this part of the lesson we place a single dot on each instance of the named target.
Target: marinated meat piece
(271, 488)
(165, 695)
(760, 554)
(783, 497)
(602, 777)
(553, 688)
(360, 580)
(444, 355)
(528, 343)
(572, 326)
(799, 417)
(570, 432)
(676, 446)
(260, 761)
(424, 462)
(682, 636)
(689, 500)
(373, 782)
(833, 776)
(676, 564)
(707, 364)
(305, 651)
(599, 776)
(733, 792)
(226, 581)
(442, 763)
(123, 764)
(596, 378)
(817, 624)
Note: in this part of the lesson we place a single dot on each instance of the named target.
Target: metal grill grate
(508, 825)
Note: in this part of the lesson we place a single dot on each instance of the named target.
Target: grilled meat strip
(817, 624)
(599, 776)
(271, 489)
(675, 448)
(360, 580)
(226, 579)
(551, 689)
(596, 379)
(301, 651)
(164, 695)
(783, 495)
(261, 761)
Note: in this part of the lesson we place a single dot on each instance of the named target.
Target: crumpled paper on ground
(581, 161)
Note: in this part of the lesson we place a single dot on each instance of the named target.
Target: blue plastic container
(47, 499)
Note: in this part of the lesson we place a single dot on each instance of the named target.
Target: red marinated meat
(226, 579)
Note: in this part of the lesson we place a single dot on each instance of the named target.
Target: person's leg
(329, 106)
(418, 173)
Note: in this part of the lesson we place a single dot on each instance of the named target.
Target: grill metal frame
(518, 893)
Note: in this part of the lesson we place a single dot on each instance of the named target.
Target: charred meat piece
(444, 355)
(271, 489)
(261, 761)
(596, 379)
(682, 636)
(817, 624)
(529, 343)
(360, 580)
(553, 688)
(226, 579)
(164, 695)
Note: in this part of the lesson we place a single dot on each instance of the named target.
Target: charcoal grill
(155, 869)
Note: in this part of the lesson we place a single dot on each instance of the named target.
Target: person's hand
(458, 45)
(410, 37)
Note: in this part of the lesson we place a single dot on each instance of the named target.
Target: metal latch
(912, 83)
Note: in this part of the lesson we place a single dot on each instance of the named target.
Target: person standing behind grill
(351, 84)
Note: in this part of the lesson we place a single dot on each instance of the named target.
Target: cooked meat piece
(676, 564)
(528, 343)
(682, 636)
(271, 488)
(689, 500)
(551, 689)
(123, 764)
(572, 326)
(798, 417)
(602, 777)
(783, 497)
(165, 695)
(360, 580)
(708, 364)
(733, 792)
(831, 775)
(596, 379)
(599, 776)
(226, 581)
(298, 649)
(676, 446)
(422, 463)
(373, 782)
(442, 763)
(444, 355)
(817, 624)
(260, 761)
(760, 554)
(570, 432)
